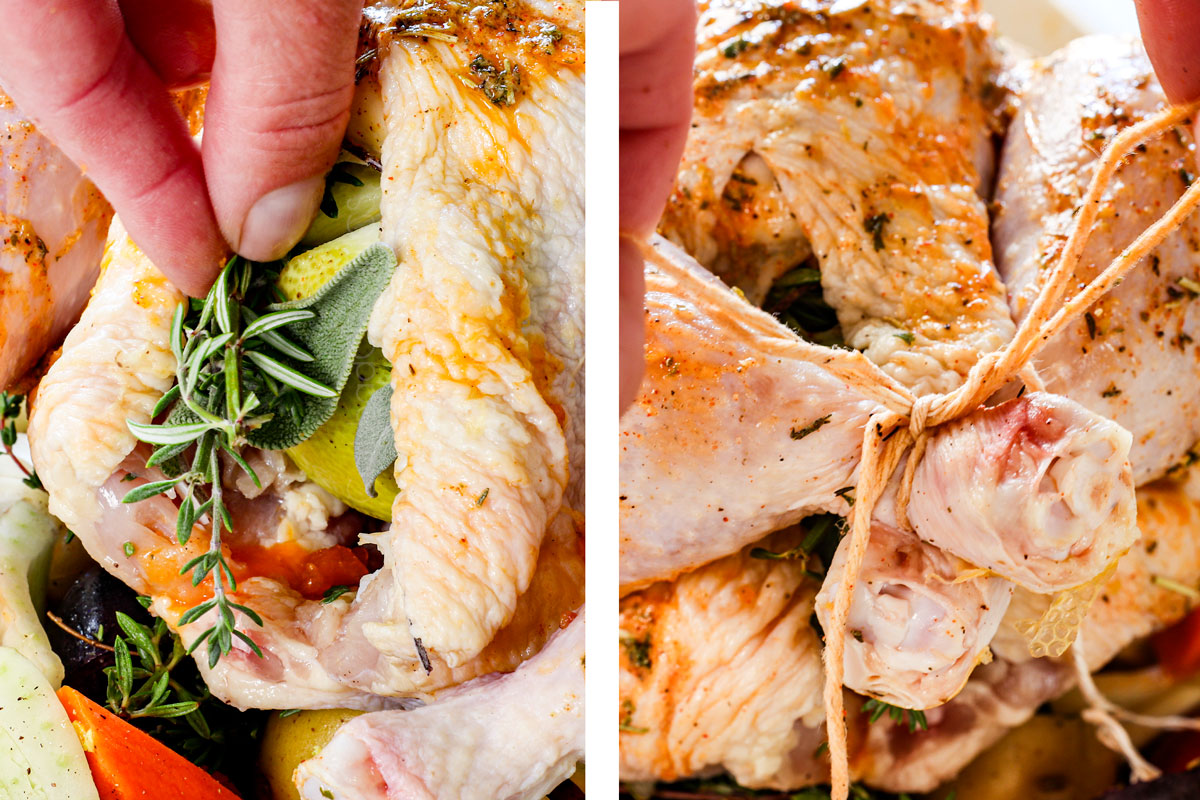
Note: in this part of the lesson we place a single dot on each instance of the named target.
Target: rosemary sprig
(877, 708)
(11, 406)
(229, 382)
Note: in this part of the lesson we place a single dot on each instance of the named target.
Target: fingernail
(279, 218)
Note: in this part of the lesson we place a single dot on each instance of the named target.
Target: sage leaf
(374, 444)
(277, 319)
(294, 378)
(168, 433)
(342, 306)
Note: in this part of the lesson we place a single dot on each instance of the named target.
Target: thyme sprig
(151, 684)
(152, 674)
(229, 382)
(877, 708)
(11, 406)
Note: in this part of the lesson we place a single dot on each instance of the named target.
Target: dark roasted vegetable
(1176, 786)
(89, 608)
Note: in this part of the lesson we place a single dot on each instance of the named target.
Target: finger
(633, 290)
(657, 51)
(277, 109)
(177, 37)
(70, 67)
(1171, 32)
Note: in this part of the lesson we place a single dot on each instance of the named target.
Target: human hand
(658, 46)
(94, 75)
(1171, 32)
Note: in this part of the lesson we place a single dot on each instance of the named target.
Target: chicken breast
(483, 207)
(53, 223)
(512, 736)
(718, 667)
(1132, 357)
(877, 145)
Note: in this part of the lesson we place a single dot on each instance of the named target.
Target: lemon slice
(327, 457)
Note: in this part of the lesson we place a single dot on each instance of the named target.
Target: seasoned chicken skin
(872, 125)
(709, 463)
(483, 205)
(1132, 357)
(733, 436)
(720, 669)
(52, 227)
(717, 667)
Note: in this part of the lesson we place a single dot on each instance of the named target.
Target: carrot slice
(127, 764)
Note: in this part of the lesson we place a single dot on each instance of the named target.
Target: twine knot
(918, 418)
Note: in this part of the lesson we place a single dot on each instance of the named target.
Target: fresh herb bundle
(154, 686)
(240, 381)
(153, 695)
(229, 382)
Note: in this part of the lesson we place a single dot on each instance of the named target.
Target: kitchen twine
(1104, 714)
(913, 419)
(905, 419)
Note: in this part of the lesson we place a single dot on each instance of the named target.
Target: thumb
(1171, 32)
(278, 104)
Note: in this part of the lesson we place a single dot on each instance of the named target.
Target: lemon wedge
(327, 457)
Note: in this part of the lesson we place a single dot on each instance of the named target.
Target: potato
(297, 737)
(1047, 758)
